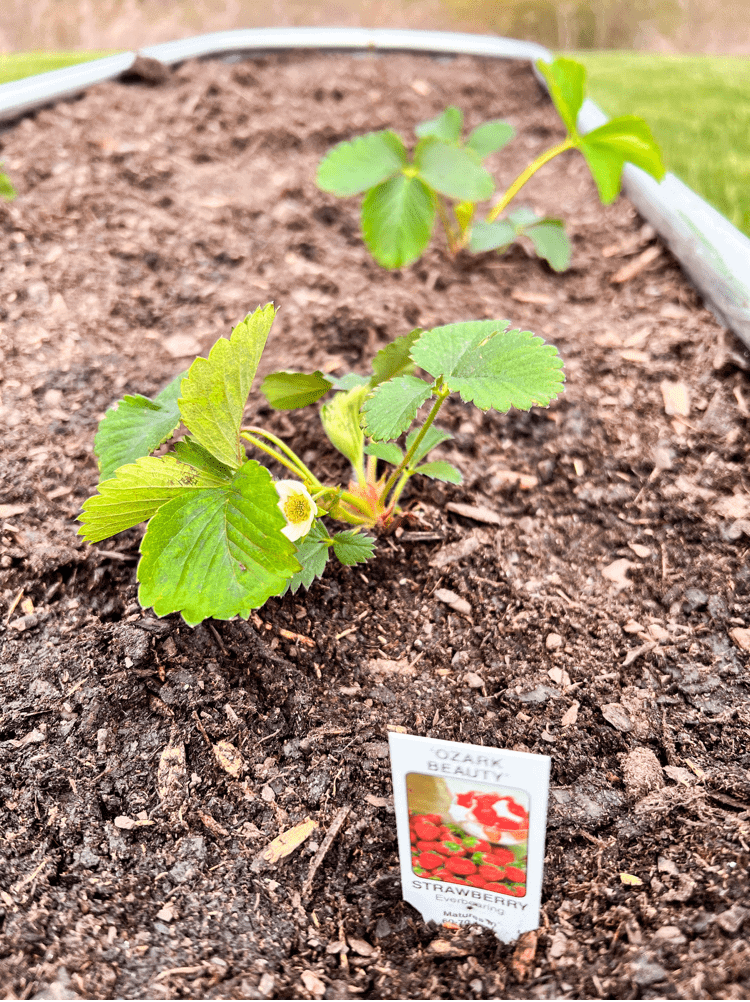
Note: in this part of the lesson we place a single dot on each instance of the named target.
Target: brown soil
(609, 594)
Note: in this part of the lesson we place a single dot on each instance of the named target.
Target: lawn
(698, 108)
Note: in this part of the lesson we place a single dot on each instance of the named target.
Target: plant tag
(471, 827)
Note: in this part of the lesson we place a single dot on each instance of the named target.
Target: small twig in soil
(201, 728)
(326, 844)
(218, 639)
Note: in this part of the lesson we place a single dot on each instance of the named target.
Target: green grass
(698, 108)
(16, 65)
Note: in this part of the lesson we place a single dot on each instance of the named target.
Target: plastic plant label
(471, 829)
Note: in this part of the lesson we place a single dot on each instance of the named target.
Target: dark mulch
(149, 219)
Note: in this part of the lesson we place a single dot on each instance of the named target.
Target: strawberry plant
(446, 178)
(222, 535)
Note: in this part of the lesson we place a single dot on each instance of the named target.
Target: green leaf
(566, 80)
(440, 470)
(389, 452)
(353, 167)
(136, 426)
(341, 422)
(551, 242)
(490, 137)
(6, 188)
(138, 490)
(312, 554)
(446, 126)
(353, 547)
(452, 170)
(393, 406)
(433, 437)
(491, 236)
(395, 358)
(191, 452)
(349, 381)
(397, 219)
(217, 552)
(286, 391)
(608, 148)
(490, 365)
(215, 390)
(522, 217)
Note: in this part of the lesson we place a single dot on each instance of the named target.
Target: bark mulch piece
(609, 591)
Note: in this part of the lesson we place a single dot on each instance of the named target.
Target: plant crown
(222, 536)
(447, 178)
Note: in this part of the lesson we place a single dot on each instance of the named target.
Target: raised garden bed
(599, 544)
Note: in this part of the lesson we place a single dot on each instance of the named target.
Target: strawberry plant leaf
(566, 80)
(452, 170)
(6, 188)
(551, 242)
(138, 490)
(491, 236)
(523, 217)
(490, 365)
(191, 452)
(285, 391)
(312, 554)
(349, 381)
(389, 452)
(392, 407)
(352, 547)
(490, 137)
(395, 358)
(353, 167)
(215, 390)
(433, 437)
(608, 148)
(397, 218)
(218, 551)
(446, 126)
(136, 426)
(440, 470)
(340, 418)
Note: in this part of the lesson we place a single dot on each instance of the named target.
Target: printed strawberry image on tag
(471, 829)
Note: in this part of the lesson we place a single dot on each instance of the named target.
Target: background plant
(6, 188)
(403, 197)
(222, 536)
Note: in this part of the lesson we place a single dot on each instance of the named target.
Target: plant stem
(453, 241)
(442, 394)
(524, 176)
(299, 467)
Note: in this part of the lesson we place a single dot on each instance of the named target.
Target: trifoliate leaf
(341, 419)
(491, 236)
(452, 170)
(286, 391)
(446, 126)
(217, 552)
(397, 219)
(215, 390)
(139, 489)
(551, 242)
(393, 406)
(433, 437)
(136, 426)
(389, 452)
(352, 547)
(491, 366)
(312, 554)
(490, 137)
(6, 188)
(440, 470)
(566, 80)
(394, 359)
(353, 167)
(191, 452)
(608, 148)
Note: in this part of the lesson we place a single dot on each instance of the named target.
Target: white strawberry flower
(297, 507)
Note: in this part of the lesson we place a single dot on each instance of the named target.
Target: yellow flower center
(297, 509)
